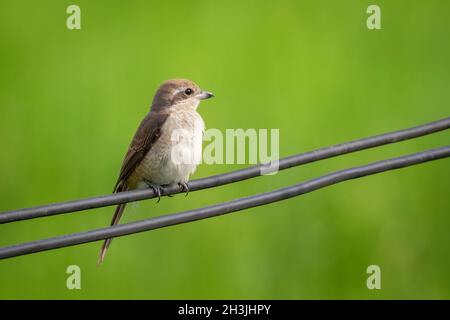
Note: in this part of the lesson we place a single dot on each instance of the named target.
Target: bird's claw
(156, 189)
(184, 187)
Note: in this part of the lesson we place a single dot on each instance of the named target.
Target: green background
(70, 101)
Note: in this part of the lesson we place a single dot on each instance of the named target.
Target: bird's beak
(204, 95)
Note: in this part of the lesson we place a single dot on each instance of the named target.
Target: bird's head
(179, 93)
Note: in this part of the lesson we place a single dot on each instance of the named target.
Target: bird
(167, 146)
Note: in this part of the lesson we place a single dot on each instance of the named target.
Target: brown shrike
(167, 145)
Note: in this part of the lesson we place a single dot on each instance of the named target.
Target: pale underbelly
(168, 163)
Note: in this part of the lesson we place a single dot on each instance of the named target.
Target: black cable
(226, 207)
(226, 178)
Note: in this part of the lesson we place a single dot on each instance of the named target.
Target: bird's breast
(177, 152)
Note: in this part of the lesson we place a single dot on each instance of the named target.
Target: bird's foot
(184, 187)
(156, 189)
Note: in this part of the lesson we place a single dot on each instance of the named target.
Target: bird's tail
(115, 220)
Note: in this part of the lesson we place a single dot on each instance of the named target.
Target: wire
(225, 207)
(226, 178)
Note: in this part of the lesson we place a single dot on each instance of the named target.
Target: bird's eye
(188, 91)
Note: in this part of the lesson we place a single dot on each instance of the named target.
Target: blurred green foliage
(70, 102)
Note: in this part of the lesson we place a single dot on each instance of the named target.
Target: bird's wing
(146, 136)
